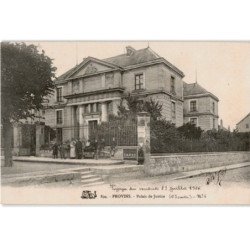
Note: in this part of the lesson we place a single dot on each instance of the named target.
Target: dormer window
(139, 81)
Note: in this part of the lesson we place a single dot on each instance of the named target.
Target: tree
(190, 131)
(26, 79)
(131, 105)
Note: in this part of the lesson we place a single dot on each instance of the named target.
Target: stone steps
(89, 178)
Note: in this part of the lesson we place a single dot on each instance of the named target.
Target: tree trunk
(7, 135)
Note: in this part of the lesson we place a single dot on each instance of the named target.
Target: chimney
(130, 50)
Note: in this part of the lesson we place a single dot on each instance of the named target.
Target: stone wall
(167, 164)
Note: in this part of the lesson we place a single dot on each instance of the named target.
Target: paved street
(238, 177)
(235, 177)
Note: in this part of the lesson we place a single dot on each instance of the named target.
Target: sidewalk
(89, 162)
(193, 173)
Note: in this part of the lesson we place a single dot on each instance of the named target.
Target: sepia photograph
(125, 122)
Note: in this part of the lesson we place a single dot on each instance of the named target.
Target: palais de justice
(86, 94)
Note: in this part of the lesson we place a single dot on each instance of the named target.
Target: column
(143, 133)
(81, 122)
(67, 131)
(104, 117)
(115, 104)
(17, 136)
(39, 138)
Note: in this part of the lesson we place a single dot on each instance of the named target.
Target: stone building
(244, 124)
(200, 107)
(86, 94)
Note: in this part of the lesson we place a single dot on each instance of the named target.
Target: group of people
(70, 149)
(75, 148)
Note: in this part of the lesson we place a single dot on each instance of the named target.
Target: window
(92, 108)
(59, 118)
(193, 106)
(173, 110)
(86, 109)
(213, 107)
(194, 121)
(98, 107)
(75, 87)
(110, 107)
(247, 125)
(139, 81)
(172, 85)
(59, 94)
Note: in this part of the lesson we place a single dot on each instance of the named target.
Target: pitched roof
(192, 89)
(132, 58)
(67, 73)
(243, 118)
(138, 56)
(73, 70)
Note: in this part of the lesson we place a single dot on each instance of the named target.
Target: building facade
(244, 124)
(86, 94)
(200, 107)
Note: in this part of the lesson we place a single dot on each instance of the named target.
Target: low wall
(119, 151)
(166, 164)
(45, 153)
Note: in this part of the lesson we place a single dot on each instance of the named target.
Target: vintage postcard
(125, 122)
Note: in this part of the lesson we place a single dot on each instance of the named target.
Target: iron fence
(124, 133)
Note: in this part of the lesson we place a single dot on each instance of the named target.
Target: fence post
(143, 134)
(17, 135)
(39, 137)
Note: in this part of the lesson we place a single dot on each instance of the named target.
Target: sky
(223, 68)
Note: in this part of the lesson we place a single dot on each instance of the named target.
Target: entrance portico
(89, 106)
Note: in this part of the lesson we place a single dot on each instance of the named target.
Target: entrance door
(92, 129)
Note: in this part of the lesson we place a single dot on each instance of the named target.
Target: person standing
(60, 149)
(63, 150)
(83, 147)
(112, 147)
(96, 148)
(78, 149)
(72, 149)
(55, 150)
